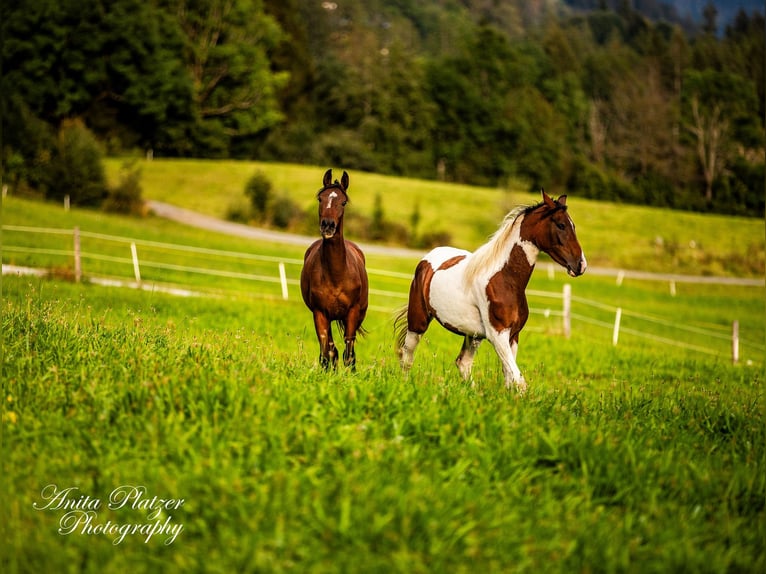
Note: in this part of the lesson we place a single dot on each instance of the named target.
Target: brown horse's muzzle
(327, 228)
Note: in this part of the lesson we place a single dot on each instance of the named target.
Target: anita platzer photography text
(133, 512)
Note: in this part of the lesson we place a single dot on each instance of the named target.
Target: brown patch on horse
(451, 262)
(507, 302)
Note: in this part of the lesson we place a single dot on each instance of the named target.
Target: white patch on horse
(330, 197)
(436, 257)
(530, 251)
(448, 292)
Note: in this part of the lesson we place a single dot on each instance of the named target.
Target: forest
(604, 102)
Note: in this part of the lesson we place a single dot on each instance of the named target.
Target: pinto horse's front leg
(328, 354)
(506, 347)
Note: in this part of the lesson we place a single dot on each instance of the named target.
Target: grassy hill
(612, 235)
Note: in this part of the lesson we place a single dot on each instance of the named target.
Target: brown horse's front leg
(353, 321)
(328, 354)
(349, 355)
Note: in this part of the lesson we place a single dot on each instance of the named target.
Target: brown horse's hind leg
(328, 354)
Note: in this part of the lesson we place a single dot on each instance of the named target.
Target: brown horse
(480, 295)
(333, 279)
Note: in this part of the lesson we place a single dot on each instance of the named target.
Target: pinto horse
(480, 295)
(334, 279)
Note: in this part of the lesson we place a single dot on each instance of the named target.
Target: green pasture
(635, 458)
(645, 457)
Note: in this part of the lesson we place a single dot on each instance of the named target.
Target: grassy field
(645, 457)
(618, 459)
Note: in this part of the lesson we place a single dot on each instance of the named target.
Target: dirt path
(195, 219)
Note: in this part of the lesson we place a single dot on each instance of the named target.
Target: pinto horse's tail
(400, 326)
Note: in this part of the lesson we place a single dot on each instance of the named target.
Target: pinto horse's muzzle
(578, 268)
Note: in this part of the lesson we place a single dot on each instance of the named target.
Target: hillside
(613, 235)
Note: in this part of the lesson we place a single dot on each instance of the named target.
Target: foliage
(470, 92)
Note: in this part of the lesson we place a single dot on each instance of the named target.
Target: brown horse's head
(553, 232)
(332, 202)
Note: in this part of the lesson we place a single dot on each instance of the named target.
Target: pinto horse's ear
(344, 181)
(547, 199)
(327, 180)
(562, 200)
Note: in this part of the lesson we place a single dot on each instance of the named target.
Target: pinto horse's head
(332, 202)
(553, 232)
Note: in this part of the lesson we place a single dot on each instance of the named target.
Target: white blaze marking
(330, 197)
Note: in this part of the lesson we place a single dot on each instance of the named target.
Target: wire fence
(390, 288)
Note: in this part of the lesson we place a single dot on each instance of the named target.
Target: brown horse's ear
(344, 181)
(547, 200)
(562, 200)
(327, 178)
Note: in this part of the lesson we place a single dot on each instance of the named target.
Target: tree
(117, 66)
(714, 102)
(227, 48)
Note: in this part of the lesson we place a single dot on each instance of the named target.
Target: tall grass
(616, 460)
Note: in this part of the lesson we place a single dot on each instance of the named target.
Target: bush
(76, 167)
(258, 191)
(126, 197)
(285, 213)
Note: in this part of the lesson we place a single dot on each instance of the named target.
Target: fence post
(567, 311)
(283, 280)
(77, 263)
(616, 331)
(136, 269)
(735, 342)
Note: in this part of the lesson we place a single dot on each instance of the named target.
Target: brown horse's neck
(333, 252)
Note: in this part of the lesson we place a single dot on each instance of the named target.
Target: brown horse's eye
(561, 226)
(344, 203)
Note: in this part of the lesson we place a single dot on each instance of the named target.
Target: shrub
(285, 213)
(76, 167)
(258, 191)
(126, 196)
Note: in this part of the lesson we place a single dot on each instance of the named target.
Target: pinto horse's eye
(344, 203)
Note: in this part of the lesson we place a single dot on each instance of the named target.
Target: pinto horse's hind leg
(464, 360)
(407, 350)
(328, 354)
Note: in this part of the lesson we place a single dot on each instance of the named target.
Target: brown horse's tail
(360, 331)
(400, 326)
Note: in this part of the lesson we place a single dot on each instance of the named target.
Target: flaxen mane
(495, 248)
